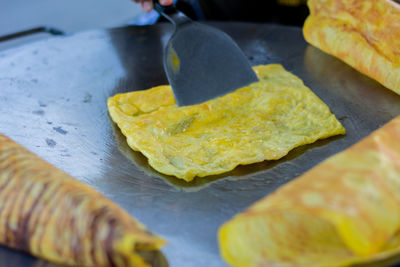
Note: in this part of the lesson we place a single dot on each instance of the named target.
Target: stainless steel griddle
(53, 101)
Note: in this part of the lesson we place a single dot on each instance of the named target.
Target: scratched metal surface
(53, 101)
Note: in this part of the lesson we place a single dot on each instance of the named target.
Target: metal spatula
(202, 62)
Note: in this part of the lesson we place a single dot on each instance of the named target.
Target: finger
(147, 5)
(166, 2)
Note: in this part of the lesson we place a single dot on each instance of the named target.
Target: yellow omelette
(263, 121)
(343, 212)
(363, 33)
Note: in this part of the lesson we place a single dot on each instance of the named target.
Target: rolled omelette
(345, 210)
(49, 214)
(363, 33)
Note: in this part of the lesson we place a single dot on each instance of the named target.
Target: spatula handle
(171, 13)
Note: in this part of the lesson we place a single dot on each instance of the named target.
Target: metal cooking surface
(53, 101)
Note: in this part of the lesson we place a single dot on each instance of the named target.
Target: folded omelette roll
(363, 33)
(51, 215)
(346, 210)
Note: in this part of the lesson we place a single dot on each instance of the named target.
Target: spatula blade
(202, 63)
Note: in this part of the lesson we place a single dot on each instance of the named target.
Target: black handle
(171, 9)
(171, 13)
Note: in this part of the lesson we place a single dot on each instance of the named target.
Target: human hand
(147, 5)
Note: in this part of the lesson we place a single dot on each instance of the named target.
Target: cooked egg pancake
(51, 215)
(263, 121)
(344, 211)
(363, 33)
